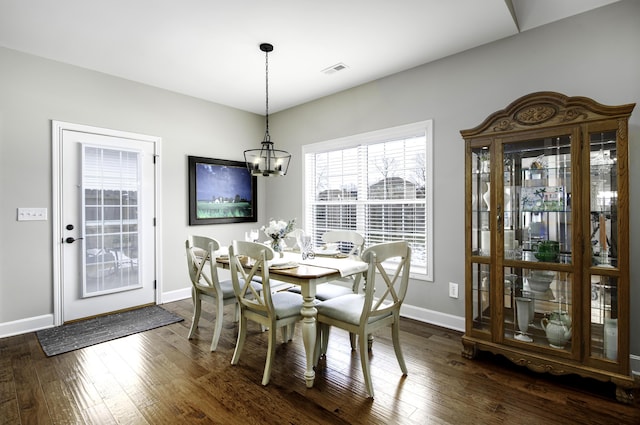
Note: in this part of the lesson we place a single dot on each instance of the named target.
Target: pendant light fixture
(267, 161)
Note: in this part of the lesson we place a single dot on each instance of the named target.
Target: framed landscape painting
(221, 191)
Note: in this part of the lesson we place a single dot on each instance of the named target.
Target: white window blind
(111, 180)
(378, 184)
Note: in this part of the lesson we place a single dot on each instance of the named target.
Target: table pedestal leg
(309, 313)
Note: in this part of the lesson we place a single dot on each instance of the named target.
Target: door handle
(71, 240)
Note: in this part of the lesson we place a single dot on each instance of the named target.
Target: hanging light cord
(267, 137)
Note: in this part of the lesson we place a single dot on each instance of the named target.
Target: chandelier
(267, 161)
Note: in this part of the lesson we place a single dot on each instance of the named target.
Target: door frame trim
(57, 129)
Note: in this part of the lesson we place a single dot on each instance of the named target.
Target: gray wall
(594, 55)
(34, 91)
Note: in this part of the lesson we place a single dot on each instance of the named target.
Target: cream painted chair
(344, 239)
(379, 305)
(206, 285)
(292, 239)
(271, 310)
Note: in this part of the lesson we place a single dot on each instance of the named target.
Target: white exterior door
(106, 234)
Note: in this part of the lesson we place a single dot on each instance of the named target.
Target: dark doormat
(74, 336)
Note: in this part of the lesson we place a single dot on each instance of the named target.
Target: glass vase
(278, 246)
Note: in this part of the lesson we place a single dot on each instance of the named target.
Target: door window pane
(110, 180)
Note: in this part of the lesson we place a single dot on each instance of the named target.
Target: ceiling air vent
(334, 68)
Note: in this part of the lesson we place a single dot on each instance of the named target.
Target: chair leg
(236, 314)
(285, 333)
(291, 329)
(242, 334)
(196, 313)
(322, 341)
(395, 335)
(271, 353)
(217, 328)
(352, 339)
(317, 350)
(325, 339)
(364, 361)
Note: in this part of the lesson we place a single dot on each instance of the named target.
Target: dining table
(308, 273)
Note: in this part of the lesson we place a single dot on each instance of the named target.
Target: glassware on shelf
(524, 316)
(557, 332)
(547, 251)
(540, 280)
(486, 197)
(611, 339)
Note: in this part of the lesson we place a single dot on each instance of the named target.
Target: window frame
(425, 127)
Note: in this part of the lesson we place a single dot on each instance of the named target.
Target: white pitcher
(557, 332)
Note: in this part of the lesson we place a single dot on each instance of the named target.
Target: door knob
(71, 240)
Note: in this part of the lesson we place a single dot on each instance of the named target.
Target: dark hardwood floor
(160, 377)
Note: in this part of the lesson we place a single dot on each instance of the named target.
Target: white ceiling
(209, 48)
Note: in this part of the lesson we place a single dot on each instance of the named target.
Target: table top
(319, 270)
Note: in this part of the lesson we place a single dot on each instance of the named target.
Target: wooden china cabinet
(547, 238)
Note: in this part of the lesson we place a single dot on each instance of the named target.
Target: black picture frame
(221, 191)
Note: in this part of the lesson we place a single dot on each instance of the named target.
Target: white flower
(278, 229)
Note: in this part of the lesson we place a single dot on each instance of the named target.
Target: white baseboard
(420, 314)
(635, 365)
(23, 326)
(416, 313)
(180, 294)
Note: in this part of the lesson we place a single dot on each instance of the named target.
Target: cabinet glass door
(537, 200)
(537, 240)
(603, 240)
(481, 201)
(481, 299)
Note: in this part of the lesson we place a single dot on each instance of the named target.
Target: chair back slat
(200, 252)
(388, 295)
(242, 276)
(350, 237)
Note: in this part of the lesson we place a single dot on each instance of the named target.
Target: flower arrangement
(277, 230)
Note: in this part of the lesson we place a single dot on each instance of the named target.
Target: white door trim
(57, 127)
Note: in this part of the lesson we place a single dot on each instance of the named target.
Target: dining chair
(292, 239)
(350, 242)
(353, 243)
(205, 283)
(377, 306)
(272, 310)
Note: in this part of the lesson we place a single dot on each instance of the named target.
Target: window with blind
(378, 184)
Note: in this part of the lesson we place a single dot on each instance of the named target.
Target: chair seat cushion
(346, 308)
(286, 304)
(326, 291)
(227, 289)
(276, 285)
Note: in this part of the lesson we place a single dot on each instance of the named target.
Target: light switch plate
(32, 214)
